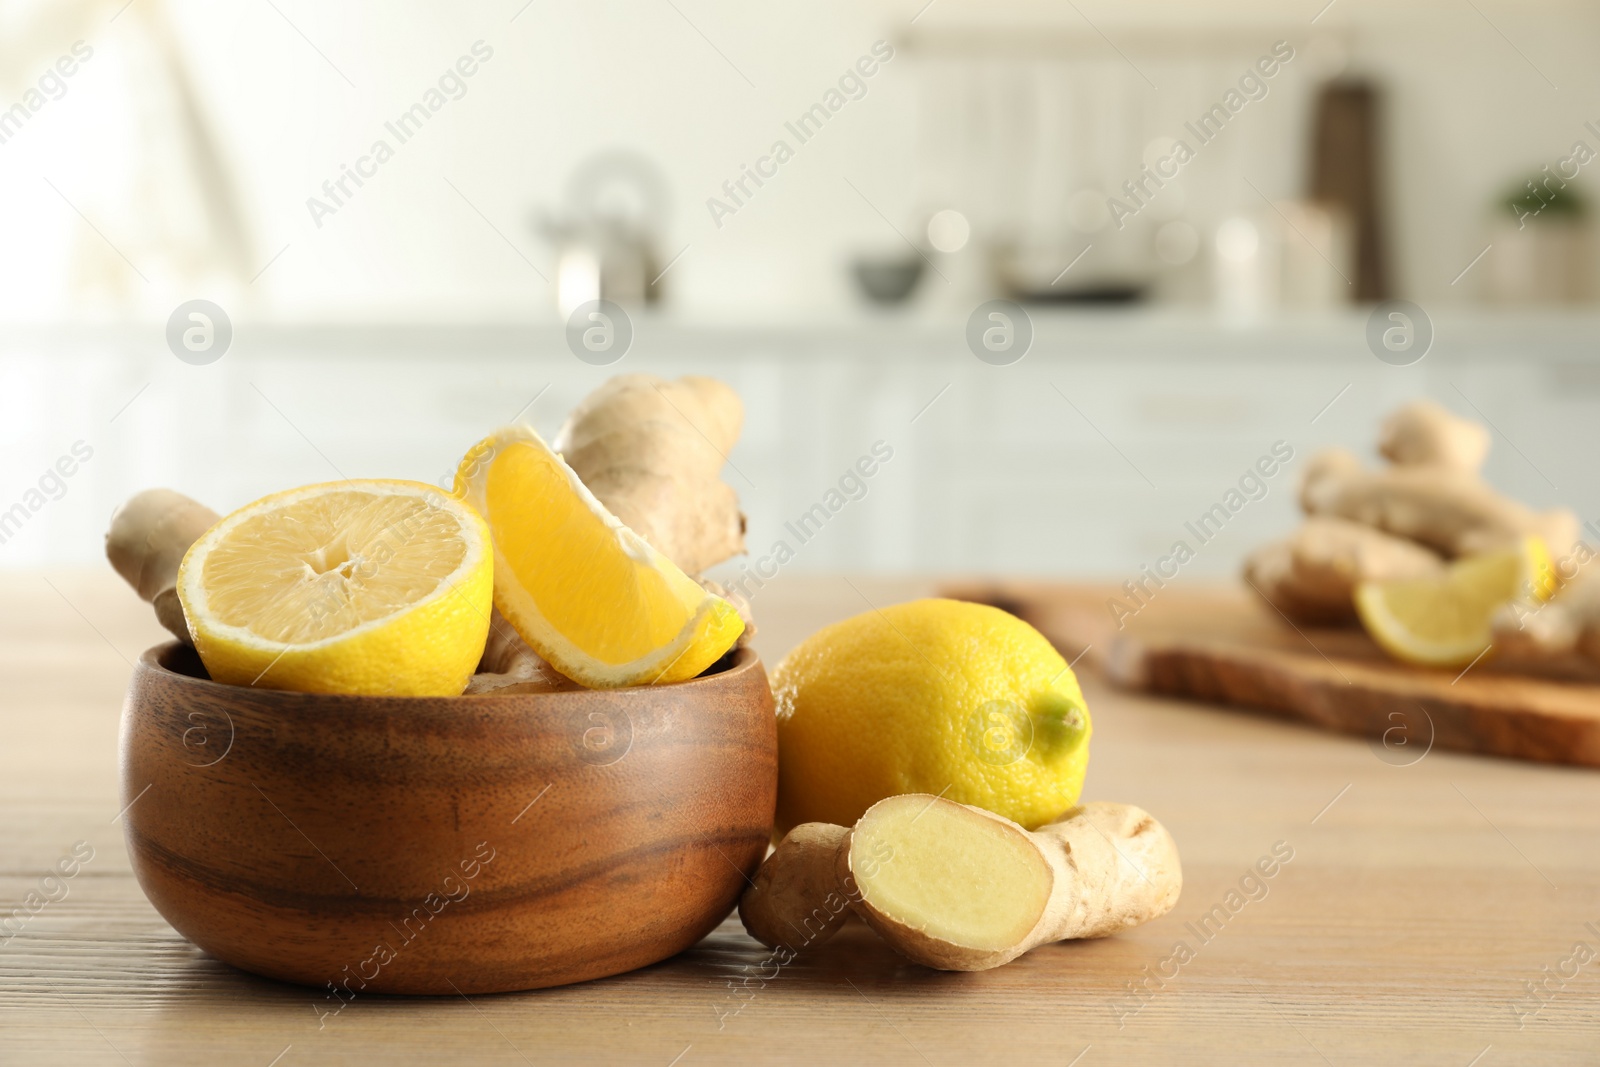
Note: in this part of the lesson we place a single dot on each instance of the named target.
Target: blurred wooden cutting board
(1223, 645)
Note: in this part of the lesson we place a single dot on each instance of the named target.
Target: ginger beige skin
(1560, 638)
(652, 451)
(1311, 576)
(1100, 869)
(146, 542)
(1455, 514)
(1425, 434)
(796, 898)
(1407, 520)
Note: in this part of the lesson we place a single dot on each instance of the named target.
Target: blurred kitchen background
(389, 306)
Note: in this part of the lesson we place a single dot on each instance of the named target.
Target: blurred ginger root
(1562, 636)
(1429, 506)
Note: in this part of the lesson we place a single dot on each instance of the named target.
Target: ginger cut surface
(958, 888)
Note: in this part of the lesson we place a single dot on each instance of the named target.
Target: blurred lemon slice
(1445, 621)
(348, 587)
(587, 593)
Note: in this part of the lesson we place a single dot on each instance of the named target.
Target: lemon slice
(587, 593)
(1445, 621)
(348, 587)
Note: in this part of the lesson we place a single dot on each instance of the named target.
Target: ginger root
(652, 451)
(1560, 637)
(146, 542)
(508, 665)
(1312, 575)
(1269, 570)
(1449, 511)
(795, 897)
(962, 889)
(1425, 434)
(1406, 520)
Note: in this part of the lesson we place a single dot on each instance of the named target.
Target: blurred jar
(1296, 257)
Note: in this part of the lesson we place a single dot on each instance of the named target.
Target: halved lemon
(587, 593)
(1445, 621)
(347, 587)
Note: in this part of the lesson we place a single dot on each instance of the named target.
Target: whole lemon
(933, 696)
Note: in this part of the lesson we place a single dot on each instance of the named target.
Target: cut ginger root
(958, 888)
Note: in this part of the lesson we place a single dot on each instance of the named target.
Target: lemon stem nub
(1060, 724)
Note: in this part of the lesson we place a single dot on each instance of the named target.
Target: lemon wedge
(1445, 621)
(379, 587)
(587, 593)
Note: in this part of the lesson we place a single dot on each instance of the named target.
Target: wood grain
(1223, 645)
(1420, 901)
(444, 845)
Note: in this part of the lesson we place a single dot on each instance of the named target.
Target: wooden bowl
(445, 844)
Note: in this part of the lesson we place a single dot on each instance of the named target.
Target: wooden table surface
(1422, 905)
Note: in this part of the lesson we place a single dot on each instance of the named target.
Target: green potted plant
(1542, 245)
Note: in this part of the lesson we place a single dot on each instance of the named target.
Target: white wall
(1468, 111)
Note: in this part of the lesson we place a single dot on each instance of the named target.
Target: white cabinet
(1085, 458)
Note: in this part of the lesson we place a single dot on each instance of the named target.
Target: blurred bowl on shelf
(1051, 274)
(886, 279)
